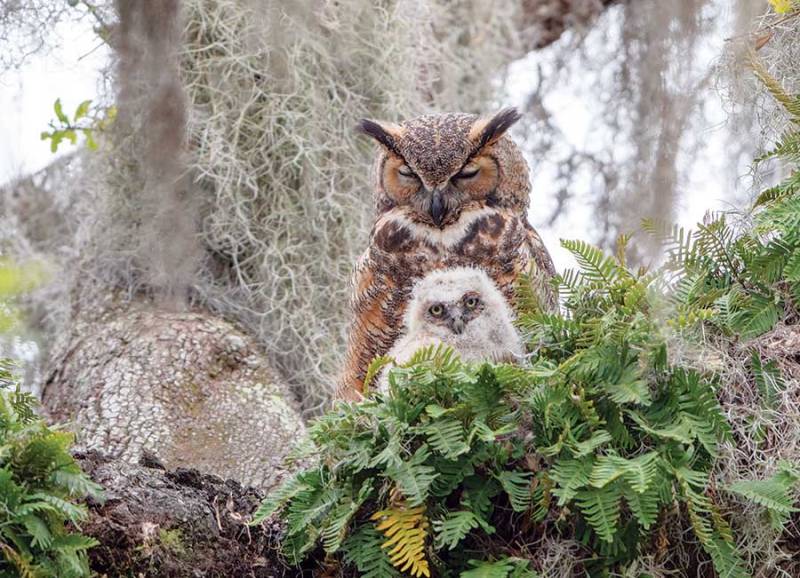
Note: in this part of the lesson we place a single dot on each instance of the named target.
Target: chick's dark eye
(469, 171)
(406, 172)
(472, 302)
(436, 310)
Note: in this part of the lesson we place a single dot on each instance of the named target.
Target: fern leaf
(446, 436)
(39, 531)
(644, 505)
(505, 568)
(405, 530)
(278, 498)
(638, 472)
(72, 512)
(414, 477)
(595, 265)
(570, 475)
(755, 315)
(335, 529)
(601, 509)
(629, 388)
(363, 550)
(588, 446)
(774, 494)
(518, 487)
(76, 482)
(374, 369)
(453, 528)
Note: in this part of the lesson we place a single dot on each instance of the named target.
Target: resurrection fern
(741, 281)
(599, 430)
(776, 495)
(40, 483)
(406, 530)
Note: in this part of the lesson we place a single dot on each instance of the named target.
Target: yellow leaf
(406, 530)
(781, 6)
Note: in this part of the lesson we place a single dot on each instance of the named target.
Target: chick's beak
(438, 210)
(457, 325)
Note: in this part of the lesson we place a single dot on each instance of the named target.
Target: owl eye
(437, 310)
(406, 172)
(468, 171)
(471, 302)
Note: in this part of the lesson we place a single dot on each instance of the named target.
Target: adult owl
(463, 309)
(451, 190)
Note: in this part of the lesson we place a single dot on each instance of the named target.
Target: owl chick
(451, 190)
(463, 309)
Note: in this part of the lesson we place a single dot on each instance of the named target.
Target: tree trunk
(181, 523)
(187, 387)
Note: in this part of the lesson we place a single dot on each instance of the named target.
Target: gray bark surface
(188, 387)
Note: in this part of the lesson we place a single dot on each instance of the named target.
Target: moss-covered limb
(188, 386)
(177, 523)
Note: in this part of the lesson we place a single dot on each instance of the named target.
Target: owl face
(454, 315)
(450, 303)
(437, 166)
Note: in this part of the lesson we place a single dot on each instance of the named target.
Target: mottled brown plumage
(451, 190)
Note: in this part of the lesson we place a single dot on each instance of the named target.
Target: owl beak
(438, 209)
(457, 325)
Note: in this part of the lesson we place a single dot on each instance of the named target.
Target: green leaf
(335, 528)
(595, 265)
(453, 528)
(775, 494)
(374, 369)
(518, 487)
(446, 436)
(601, 508)
(57, 108)
(505, 568)
(82, 110)
(278, 498)
(644, 505)
(363, 550)
(39, 531)
(414, 477)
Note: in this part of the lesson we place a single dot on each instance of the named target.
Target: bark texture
(188, 387)
(544, 21)
(158, 523)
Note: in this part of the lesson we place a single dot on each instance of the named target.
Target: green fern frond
(788, 187)
(601, 509)
(776, 494)
(374, 369)
(645, 506)
(595, 265)
(570, 475)
(518, 487)
(363, 550)
(453, 528)
(505, 568)
(446, 437)
(278, 498)
(336, 525)
(414, 477)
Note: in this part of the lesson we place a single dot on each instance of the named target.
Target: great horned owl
(451, 190)
(461, 308)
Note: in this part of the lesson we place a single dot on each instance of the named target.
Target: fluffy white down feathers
(462, 308)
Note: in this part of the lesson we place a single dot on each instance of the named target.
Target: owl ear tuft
(487, 130)
(385, 133)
